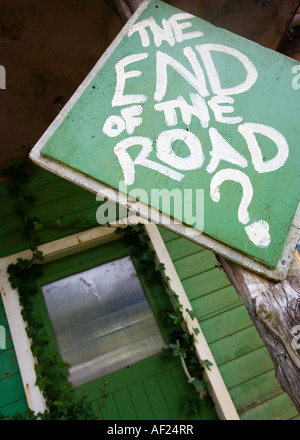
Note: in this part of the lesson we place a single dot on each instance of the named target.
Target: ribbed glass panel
(102, 320)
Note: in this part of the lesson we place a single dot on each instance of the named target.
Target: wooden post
(275, 311)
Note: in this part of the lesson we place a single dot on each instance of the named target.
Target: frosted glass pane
(102, 320)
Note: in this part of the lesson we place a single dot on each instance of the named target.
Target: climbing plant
(181, 341)
(51, 370)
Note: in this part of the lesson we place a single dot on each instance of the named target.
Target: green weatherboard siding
(151, 389)
(200, 108)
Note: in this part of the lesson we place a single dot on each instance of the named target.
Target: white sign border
(94, 186)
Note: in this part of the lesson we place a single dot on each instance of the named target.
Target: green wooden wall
(239, 352)
(12, 396)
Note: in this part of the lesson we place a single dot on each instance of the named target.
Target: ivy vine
(51, 370)
(181, 342)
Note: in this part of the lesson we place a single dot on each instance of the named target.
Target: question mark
(257, 232)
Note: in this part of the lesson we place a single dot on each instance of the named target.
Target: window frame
(86, 240)
(91, 262)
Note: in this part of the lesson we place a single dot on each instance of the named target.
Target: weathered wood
(275, 311)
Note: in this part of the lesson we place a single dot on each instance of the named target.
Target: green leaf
(191, 313)
(177, 350)
(159, 266)
(38, 255)
(177, 319)
(201, 385)
(207, 364)
(38, 226)
(165, 278)
(43, 382)
(57, 403)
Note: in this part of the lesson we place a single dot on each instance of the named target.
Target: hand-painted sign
(178, 104)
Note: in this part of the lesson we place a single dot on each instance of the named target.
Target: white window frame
(77, 243)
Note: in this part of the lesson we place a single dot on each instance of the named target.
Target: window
(102, 320)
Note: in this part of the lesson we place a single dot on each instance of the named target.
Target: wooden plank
(246, 367)
(278, 408)
(11, 389)
(156, 397)
(195, 264)
(36, 180)
(295, 418)
(110, 409)
(97, 410)
(215, 303)
(141, 402)
(226, 324)
(167, 235)
(255, 391)
(75, 203)
(9, 341)
(124, 404)
(83, 260)
(171, 395)
(45, 193)
(235, 345)
(136, 373)
(11, 243)
(181, 385)
(21, 341)
(206, 282)
(8, 363)
(19, 406)
(207, 410)
(3, 320)
(181, 247)
(219, 392)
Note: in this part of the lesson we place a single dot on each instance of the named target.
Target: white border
(77, 243)
(92, 185)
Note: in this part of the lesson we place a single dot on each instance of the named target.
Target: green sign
(178, 105)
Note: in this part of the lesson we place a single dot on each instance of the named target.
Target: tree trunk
(273, 308)
(275, 311)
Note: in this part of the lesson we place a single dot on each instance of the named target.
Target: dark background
(48, 47)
